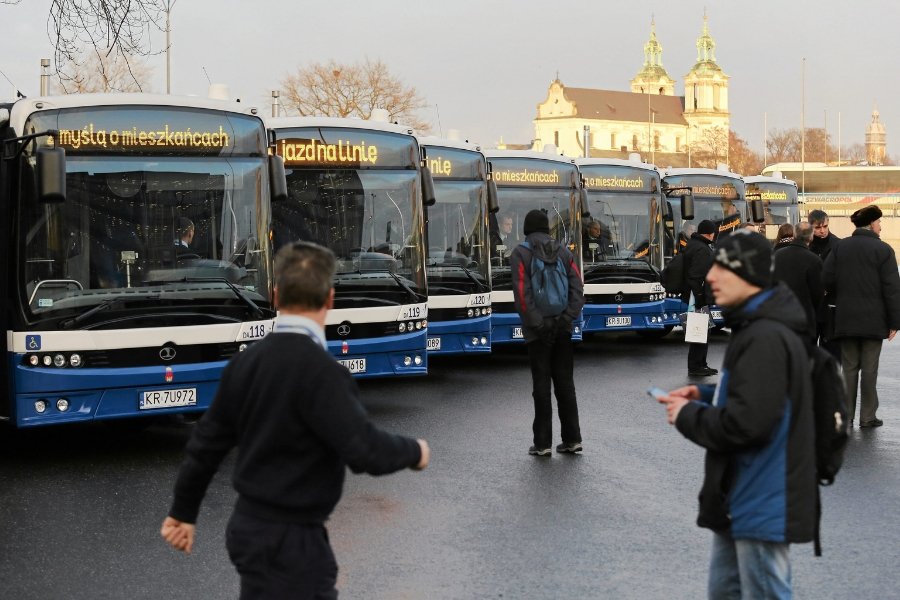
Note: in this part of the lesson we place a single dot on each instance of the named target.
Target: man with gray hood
(548, 337)
(759, 493)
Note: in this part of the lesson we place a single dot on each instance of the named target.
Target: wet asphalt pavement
(80, 508)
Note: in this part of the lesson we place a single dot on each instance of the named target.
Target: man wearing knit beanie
(548, 337)
(861, 276)
(759, 490)
(697, 260)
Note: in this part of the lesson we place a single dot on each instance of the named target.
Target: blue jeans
(748, 569)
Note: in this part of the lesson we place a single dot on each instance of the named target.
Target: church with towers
(669, 130)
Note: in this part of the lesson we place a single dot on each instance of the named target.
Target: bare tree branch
(342, 90)
(125, 25)
(98, 70)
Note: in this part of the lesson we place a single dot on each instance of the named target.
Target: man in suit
(184, 235)
(295, 417)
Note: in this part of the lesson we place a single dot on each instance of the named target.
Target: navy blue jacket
(757, 426)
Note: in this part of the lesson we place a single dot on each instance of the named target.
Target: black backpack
(831, 419)
(672, 277)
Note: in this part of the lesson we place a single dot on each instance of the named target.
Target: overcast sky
(483, 65)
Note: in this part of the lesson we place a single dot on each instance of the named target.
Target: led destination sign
(93, 138)
(773, 193)
(348, 148)
(619, 179)
(159, 131)
(708, 187)
(532, 173)
(450, 163)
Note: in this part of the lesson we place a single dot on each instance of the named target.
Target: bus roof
(619, 162)
(22, 109)
(336, 122)
(774, 180)
(694, 171)
(494, 153)
(431, 140)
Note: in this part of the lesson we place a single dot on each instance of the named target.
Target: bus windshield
(138, 230)
(622, 226)
(457, 256)
(507, 227)
(367, 218)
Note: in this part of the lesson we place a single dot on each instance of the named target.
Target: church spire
(706, 45)
(652, 78)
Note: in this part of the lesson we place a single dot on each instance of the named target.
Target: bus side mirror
(583, 197)
(277, 178)
(687, 206)
(51, 175)
(493, 197)
(428, 196)
(757, 211)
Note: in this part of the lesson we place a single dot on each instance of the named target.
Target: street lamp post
(169, 5)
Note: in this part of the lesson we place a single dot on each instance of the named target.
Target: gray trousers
(860, 355)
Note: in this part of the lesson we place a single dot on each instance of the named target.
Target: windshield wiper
(409, 290)
(475, 280)
(255, 310)
(109, 302)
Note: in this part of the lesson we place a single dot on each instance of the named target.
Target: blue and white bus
(528, 180)
(719, 196)
(779, 199)
(357, 187)
(127, 289)
(458, 259)
(622, 247)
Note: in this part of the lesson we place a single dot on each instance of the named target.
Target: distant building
(670, 130)
(876, 141)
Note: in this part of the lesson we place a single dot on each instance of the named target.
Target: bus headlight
(59, 360)
(470, 312)
(242, 347)
(418, 324)
(477, 312)
(62, 405)
(407, 361)
(418, 360)
(410, 326)
(75, 360)
(47, 360)
(475, 341)
(34, 360)
(487, 311)
(484, 341)
(402, 327)
(40, 406)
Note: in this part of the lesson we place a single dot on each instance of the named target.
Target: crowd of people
(296, 430)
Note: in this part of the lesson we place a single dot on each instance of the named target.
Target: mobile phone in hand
(657, 393)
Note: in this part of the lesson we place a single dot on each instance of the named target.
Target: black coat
(861, 276)
(801, 270)
(822, 247)
(698, 258)
(757, 427)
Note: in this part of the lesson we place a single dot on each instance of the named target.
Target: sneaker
(872, 423)
(569, 448)
(535, 451)
(702, 372)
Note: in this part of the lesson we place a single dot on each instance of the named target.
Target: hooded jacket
(757, 426)
(862, 280)
(547, 248)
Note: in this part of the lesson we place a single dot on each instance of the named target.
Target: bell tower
(706, 87)
(876, 141)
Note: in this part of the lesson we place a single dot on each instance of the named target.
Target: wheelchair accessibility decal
(32, 342)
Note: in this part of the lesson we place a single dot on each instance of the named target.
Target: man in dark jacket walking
(861, 276)
(801, 271)
(697, 261)
(548, 337)
(823, 241)
(294, 415)
(759, 493)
